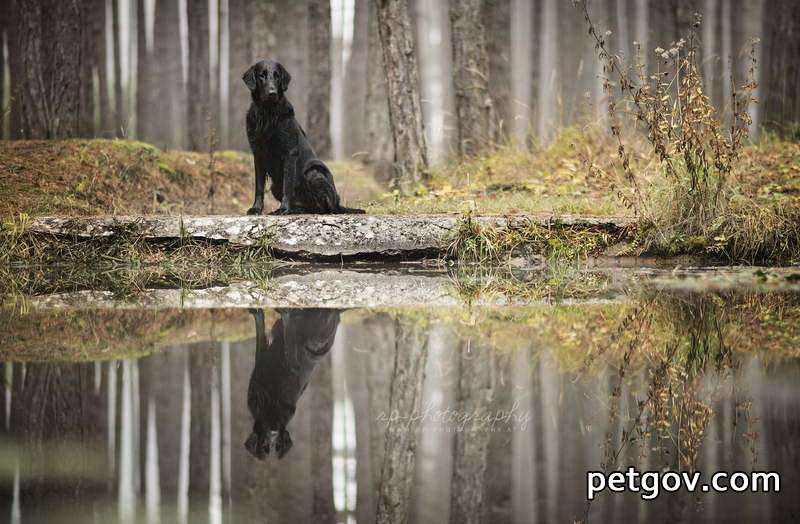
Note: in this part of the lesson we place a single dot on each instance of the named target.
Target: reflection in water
(299, 339)
(396, 416)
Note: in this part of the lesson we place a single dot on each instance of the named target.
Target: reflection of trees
(405, 393)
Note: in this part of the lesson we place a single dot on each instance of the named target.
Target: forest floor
(100, 176)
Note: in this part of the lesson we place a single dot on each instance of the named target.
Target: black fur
(300, 181)
(283, 369)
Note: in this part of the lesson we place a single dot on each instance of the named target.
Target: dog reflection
(299, 339)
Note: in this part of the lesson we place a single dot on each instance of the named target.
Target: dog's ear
(249, 78)
(285, 78)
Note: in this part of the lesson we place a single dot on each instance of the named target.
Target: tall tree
(380, 148)
(405, 111)
(780, 92)
(319, 93)
(470, 77)
(92, 64)
(242, 58)
(4, 105)
(355, 92)
(497, 14)
(120, 116)
(49, 32)
(169, 99)
(147, 120)
(199, 89)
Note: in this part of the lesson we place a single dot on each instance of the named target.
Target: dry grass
(99, 176)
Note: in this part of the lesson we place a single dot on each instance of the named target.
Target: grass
(82, 177)
(33, 263)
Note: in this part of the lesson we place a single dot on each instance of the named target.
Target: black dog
(300, 181)
(282, 371)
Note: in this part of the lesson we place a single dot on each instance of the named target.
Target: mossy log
(310, 236)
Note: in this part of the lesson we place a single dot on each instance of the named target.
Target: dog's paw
(279, 211)
(254, 211)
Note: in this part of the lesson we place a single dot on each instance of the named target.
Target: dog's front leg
(261, 175)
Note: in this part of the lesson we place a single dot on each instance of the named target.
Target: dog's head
(267, 81)
(262, 442)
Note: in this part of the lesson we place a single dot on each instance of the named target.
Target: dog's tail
(350, 211)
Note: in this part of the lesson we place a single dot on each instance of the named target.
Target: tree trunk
(470, 77)
(120, 118)
(93, 53)
(780, 102)
(321, 406)
(242, 57)
(497, 14)
(405, 112)
(50, 41)
(169, 97)
(474, 395)
(356, 82)
(319, 93)
(5, 108)
(380, 149)
(405, 395)
(199, 90)
(147, 120)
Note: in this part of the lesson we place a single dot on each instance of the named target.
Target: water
(491, 413)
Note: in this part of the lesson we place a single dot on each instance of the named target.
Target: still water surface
(460, 414)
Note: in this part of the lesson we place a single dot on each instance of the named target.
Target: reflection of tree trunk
(56, 404)
(405, 394)
(201, 359)
(322, 459)
(499, 459)
(474, 396)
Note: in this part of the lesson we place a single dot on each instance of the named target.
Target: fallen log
(311, 236)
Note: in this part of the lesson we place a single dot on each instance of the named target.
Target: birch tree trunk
(319, 93)
(470, 77)
(405, 112)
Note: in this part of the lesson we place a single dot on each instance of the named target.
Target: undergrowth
(695, 203)
(124, 261)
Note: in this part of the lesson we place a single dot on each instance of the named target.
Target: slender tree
(92, 60)
(470, 77)
(497, 16)
(242, 57)
(355, 92)
(50, 34)
(319, 93)
(199, 89)
(120, 116)
(169, 98)
(5, 108)
(405, 112)
(147, 119)
(380, 148)
(780, 90)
